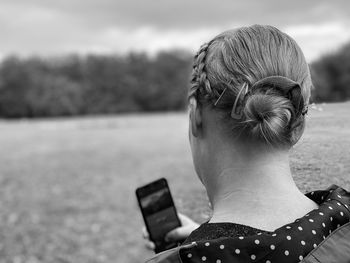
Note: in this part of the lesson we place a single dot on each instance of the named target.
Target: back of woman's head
(258, 78)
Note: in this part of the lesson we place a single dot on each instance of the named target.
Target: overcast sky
(48, 27)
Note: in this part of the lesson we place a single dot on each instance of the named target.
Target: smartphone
(159, 212)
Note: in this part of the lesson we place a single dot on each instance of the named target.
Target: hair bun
(267, 116)
(287, 87)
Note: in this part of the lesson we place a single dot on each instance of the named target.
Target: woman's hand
(177, 234)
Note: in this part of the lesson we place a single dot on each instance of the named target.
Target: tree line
(101, 84)
(331, 76)
(93, 84)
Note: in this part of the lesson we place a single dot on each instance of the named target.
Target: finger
(150, 245)
(145, 233)
(177, 234)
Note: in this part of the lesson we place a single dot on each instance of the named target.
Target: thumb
(177, 234)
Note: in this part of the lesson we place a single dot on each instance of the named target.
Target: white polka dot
(338, 225)
(321, 214)
(339, 196)
(330, 231)
(237, 251)
(189, 255)
(313, 232)
(204, 258)
(338, 204)
(331, 208)
(315, 245)
(222, 246)
(218, 261)
(311, 220)
(193, 243)
(307, 215)
(346, 206)
(341, 213)
(286, 252)
(289, 237)
(331, 218)
(322, 197)
(300, 228)
(253, 257)
(312, 193)
(301, 257)
(268, 261)
(241, 237)
(323, 224)
(272, 247)
(274, 234)
(288, 227)
(259, 234)
(324, 237)
(207, 244)
(257, 242)
(302, 242)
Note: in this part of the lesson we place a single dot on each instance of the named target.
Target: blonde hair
(242, 57)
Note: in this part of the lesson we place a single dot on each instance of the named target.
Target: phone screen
(159, 212)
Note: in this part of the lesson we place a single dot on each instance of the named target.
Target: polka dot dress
(289, 243)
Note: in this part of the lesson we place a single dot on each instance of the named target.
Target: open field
(67, 185)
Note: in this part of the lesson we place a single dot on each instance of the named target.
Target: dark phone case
(150, 188)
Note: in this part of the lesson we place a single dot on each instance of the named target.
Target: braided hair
(235, 60)
(200, 85)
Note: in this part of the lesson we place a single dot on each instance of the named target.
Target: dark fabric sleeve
(335, 248)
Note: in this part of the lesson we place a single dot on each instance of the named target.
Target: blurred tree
(165, 82)
(331, 76)
(101, 84)
(15, 79)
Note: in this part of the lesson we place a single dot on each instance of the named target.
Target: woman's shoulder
(209, 231)
(289, 243)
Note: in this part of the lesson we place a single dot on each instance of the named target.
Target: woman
(247, 104)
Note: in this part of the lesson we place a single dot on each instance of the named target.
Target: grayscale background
(93, 104)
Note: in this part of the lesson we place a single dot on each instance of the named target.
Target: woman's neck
(259, 192)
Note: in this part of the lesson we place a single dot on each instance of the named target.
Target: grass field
(67, 185)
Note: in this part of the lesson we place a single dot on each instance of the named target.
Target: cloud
(152, 39)
(53, 27)
(314, 39)
(320, 38)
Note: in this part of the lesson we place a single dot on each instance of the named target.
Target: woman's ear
(195, 118)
